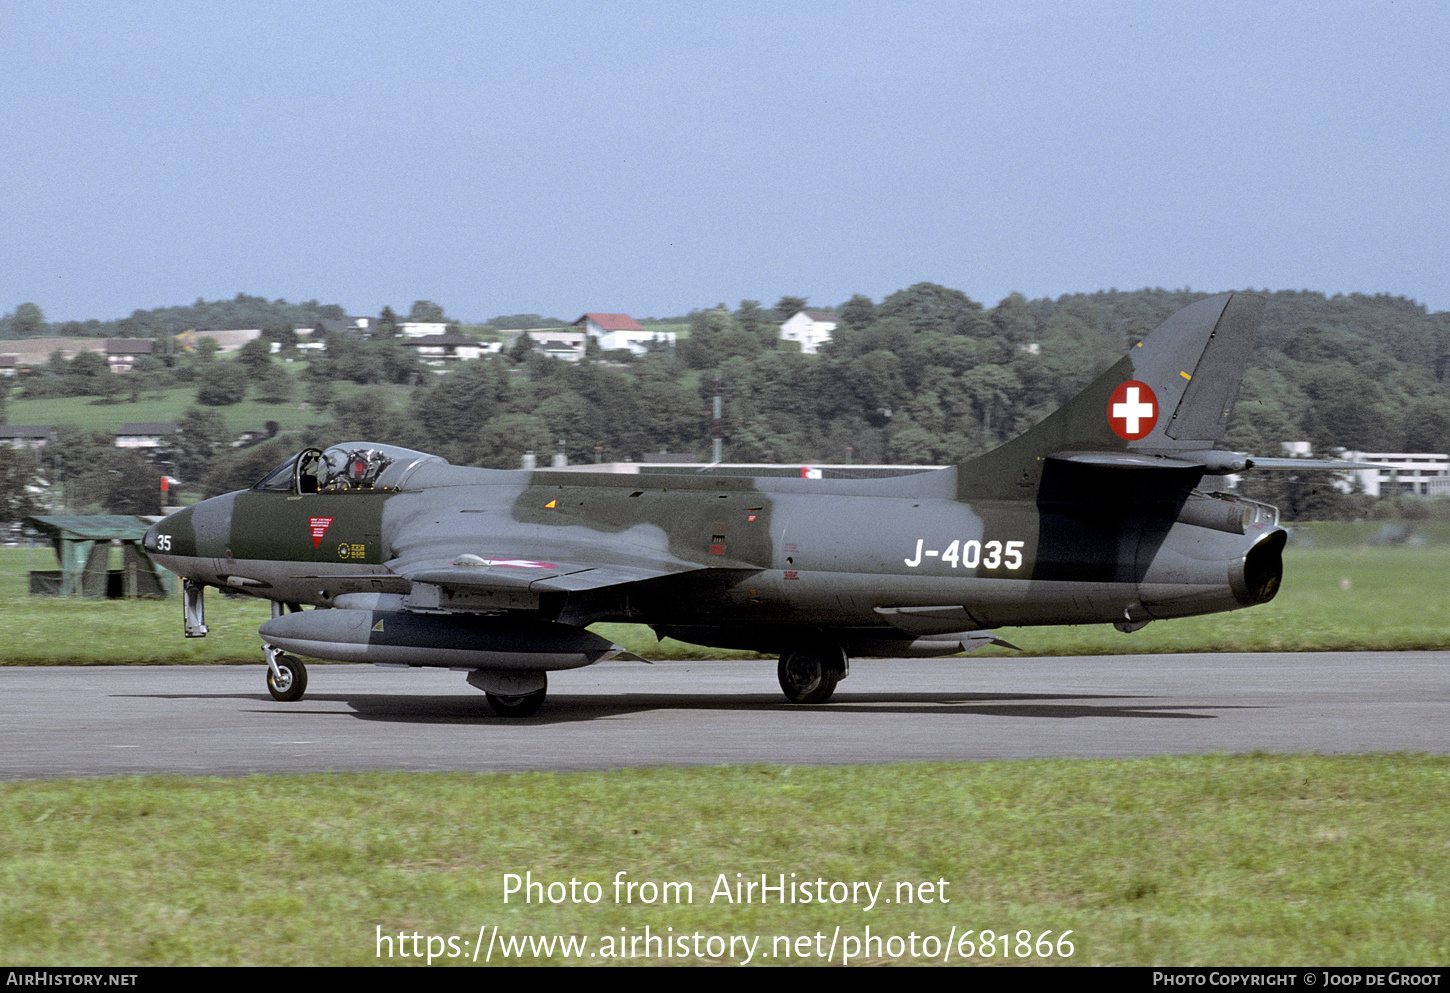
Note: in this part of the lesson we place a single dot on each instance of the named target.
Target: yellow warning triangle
(379, 625)
(550, 505)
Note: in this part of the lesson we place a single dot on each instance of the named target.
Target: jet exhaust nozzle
(1258, 577)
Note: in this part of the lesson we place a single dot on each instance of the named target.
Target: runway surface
(192, 720)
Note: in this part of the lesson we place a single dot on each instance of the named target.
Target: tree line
(925, 376)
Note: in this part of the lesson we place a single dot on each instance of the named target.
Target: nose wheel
(286, 676)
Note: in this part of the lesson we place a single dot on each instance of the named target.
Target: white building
(557, 343)
(122, 353)
(1419, 473)
(145, 434)
(442, 349)
(32, 436)
(810, 328)
(622, 331)
(226, 341)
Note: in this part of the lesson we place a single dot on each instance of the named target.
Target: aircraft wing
(531, 574)
(477, 575)
(514, 573)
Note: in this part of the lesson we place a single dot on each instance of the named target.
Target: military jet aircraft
(1096, 515)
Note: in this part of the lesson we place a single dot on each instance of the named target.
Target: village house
(144, 434)
(122, 353)
(615, 331)
(32, 436)
(810, 329)
(444, 349)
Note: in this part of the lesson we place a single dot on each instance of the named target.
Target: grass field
(1338, 595)
(1217, 860)
(172, 404)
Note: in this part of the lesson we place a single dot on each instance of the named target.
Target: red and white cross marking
(1132, 410)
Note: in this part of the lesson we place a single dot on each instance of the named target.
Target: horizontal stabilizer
(1212, 462)
(1333, 465)
(1125, 460)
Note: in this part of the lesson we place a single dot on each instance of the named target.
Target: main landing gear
(810, 674)
(516, 706)
(511, 694)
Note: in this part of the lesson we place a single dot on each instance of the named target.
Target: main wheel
(293, 682)
(526, 705)
(808, 676)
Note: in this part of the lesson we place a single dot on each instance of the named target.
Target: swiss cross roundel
(1132, 410)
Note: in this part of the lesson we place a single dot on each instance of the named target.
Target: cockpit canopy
(349, 467)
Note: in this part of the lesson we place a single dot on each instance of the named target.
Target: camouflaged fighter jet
(1096, 515)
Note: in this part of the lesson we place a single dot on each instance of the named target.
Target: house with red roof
(622, 331)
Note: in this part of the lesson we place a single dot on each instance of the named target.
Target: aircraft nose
(172, 535)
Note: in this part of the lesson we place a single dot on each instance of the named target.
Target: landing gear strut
(810, 675)
(193, 609)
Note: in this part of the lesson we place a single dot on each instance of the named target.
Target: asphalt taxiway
(219, 720)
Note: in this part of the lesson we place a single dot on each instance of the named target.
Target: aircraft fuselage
(752, 553)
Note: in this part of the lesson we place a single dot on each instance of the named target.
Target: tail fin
(1165, 403)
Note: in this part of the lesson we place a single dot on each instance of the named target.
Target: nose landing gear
(286, 675)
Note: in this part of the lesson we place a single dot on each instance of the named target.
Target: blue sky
(652, 158)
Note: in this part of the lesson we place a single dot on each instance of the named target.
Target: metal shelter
(83, 547)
